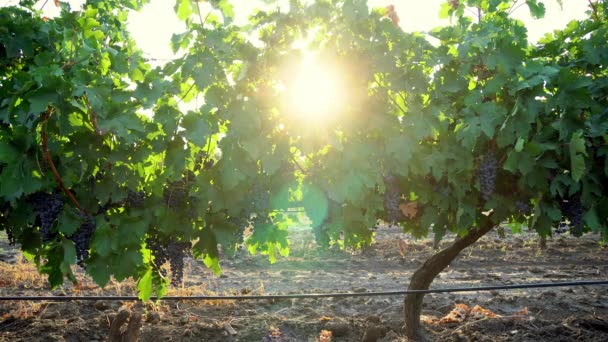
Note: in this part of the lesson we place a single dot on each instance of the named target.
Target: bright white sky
(153, 27)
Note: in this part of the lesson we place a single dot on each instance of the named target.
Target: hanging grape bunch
(203, 162)
(486, 174)
(158, 249)
(135, 199)
(561, 228)
(240, 220)
(5, 208)
(260, 202)
(523, 207)
(572, 209)
(176, 252)
(82, 239)
(176, 192)
(47, 208)
(392, 197)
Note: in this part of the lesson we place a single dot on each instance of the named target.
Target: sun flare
(315, 91)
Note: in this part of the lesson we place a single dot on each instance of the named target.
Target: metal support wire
(313, 295)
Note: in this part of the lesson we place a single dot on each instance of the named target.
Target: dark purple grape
(561, 228)
(241, 221)
(158, 248)
(392, 198)
(135, 199)
(82, 239)
(176, 192)
(171, 251)
(523, 207)
(486, 175)
(176, 252)
(260, 199)
(208, 164)
(5, 208)
(572, 209)
(47, 207)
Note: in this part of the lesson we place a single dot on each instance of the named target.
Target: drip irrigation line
(314, 295)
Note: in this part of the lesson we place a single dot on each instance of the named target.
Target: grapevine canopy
(365, 122)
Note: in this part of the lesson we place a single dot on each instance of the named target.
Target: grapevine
(478, 107)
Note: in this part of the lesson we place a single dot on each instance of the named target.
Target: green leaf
(537, 9)
(592, 220)
(231, 176)
(68, 222)
(52, 267)
(11, 181)
(227, 10)
(183, 9)
(445, 10)
(197, 130)
(40, 102)
(577, 149)
(144, 285)
(577, 167)
(8, 153)
(125, 265)
(213, 263)
(69, 258)
(102, 241)
(519, 146)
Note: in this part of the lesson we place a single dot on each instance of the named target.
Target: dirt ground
(552, 314)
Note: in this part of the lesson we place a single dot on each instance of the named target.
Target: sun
(315, 90)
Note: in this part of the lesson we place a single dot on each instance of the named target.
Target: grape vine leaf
(144, 285)
(577, 151)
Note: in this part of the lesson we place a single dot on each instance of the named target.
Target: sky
(154, 25)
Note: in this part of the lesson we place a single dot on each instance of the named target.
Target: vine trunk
(424, 276)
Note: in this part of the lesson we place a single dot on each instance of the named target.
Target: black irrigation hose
(312, 295)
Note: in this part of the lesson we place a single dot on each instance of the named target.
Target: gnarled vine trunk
(424, 276)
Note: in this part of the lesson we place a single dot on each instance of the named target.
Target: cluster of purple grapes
(392, 198)
(203, 162)
(4, 212)
(82, 238)
(47, 208)
(486, 175)
(572, 209)
(135, 199)
(561, 228)
(241, 221)
(176, 252)
(260, 199)
(175, 193)
(158, 248)
(171, 251)
(523, 207)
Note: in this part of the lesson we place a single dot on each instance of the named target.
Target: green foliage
(78, 87)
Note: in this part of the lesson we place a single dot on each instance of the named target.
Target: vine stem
(49, 160)
(293, 158)
(594, 9)
(44, 4)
